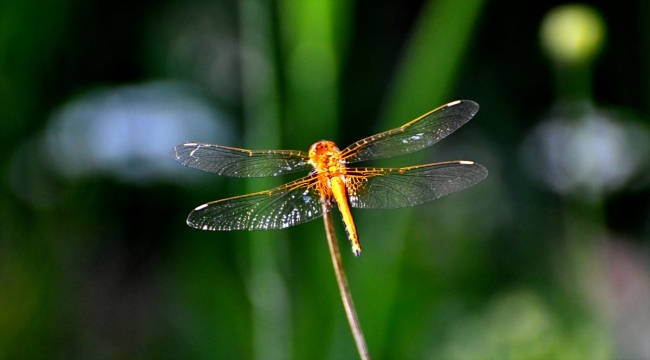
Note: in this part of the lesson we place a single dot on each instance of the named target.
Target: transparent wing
(287, 205)
(378, 188)
(424, 131)
(229, 161)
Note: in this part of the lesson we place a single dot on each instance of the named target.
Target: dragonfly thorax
(325, 157)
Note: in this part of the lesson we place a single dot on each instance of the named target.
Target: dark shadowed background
(545, 259)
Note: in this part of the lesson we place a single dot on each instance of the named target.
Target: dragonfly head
(323, 147)
(322, 153)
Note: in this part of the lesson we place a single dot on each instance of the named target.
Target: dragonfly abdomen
(339, 192)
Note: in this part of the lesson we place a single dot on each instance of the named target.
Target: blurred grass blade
(313, 32)
(266, 289)
(431, 60)
(423, 81)
(314, 35)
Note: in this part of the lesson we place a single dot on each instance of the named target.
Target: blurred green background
(545, 259)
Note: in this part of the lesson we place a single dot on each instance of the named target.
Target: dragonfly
(330, 181)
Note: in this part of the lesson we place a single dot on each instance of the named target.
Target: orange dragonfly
(330, 180)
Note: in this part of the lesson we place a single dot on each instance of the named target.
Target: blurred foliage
(95, 265)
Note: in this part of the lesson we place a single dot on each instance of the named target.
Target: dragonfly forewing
(418, 134)
(235, 162)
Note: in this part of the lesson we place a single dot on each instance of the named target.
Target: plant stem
(342, 281)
